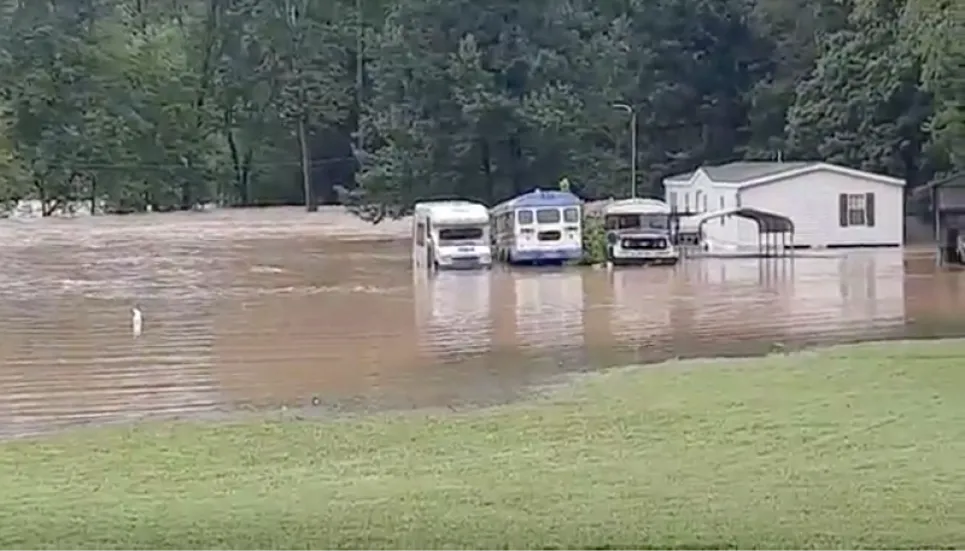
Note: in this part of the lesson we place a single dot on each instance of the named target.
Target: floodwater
(269, 308)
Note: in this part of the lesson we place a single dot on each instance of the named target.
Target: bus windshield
(653, 221)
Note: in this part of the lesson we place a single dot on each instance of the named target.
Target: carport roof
(768, 222)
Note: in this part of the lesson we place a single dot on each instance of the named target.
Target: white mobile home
(829, 205)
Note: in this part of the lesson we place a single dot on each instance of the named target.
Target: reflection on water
(548, 309)
(459, 300)
(263, 308)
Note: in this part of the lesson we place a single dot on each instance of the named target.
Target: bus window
(525, 217)
(420, 234)
(548, 216)
(571, 215)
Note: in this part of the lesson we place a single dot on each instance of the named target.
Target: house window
(705, 203)
(673, 200)
(856, 209)
(686, 202)
(722, 218)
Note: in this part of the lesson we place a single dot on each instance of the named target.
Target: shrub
(594, 241)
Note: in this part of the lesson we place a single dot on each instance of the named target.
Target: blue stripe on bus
(547, 254)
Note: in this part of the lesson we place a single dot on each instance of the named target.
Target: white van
(450, 235)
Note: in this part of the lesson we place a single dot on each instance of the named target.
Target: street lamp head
(623, 106)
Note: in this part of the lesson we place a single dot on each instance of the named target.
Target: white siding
(688, 195)
(723, 234)
(811, 201)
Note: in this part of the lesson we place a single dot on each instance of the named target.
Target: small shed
(946, 196)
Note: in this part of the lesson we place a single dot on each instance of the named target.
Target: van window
(571, 215)
(548, 216)
(420, 234)
(525, 216)
(460, 234)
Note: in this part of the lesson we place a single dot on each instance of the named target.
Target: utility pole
(633, 145)
(359, 72)
(300, 109)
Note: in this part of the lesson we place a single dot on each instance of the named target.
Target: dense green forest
(168, 104)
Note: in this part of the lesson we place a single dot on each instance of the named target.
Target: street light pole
(633, 145)
(359, 71)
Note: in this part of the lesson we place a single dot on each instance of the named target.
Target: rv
(638, 232)
(540, 226)
(450, 235)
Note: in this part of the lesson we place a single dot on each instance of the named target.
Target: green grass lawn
(850, 447)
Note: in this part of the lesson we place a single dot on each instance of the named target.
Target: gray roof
(743, 171)
(681, 177)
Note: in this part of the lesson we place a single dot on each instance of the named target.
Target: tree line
(169, 104)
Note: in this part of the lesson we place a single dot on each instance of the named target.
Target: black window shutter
(843, 210)
(869, 209)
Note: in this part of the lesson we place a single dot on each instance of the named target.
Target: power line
(172, 166)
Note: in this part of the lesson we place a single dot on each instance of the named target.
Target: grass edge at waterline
(855, 447)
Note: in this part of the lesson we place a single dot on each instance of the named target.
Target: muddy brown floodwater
(249, 309)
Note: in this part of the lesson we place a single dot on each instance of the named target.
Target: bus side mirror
(612, 238)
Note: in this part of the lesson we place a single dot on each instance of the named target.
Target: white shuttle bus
(543, 226)
(450, 235)
(638, 232)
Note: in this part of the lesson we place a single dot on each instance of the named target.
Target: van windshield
(460, 234)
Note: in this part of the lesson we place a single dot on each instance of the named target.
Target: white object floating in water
(137, 321)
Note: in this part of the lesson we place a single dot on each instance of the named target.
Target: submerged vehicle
(543, 226)
(451, 235)
(638, 232)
